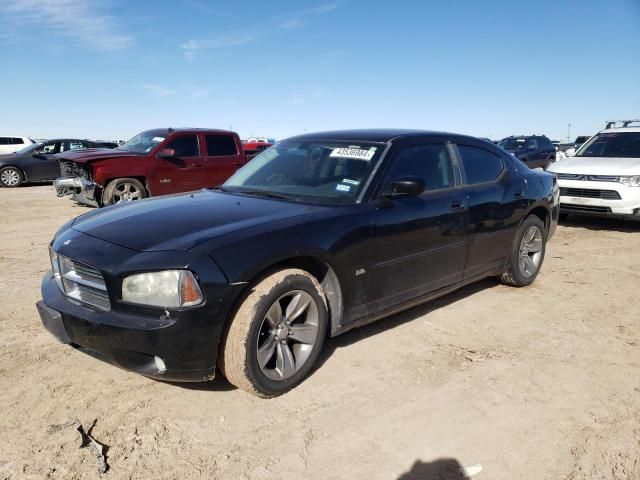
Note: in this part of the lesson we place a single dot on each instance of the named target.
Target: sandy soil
(534, 383)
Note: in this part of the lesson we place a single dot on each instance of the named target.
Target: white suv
(9, 144)
(603, 178)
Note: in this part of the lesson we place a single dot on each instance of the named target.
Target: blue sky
(111, 68)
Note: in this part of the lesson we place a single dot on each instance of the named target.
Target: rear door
(418, 243)
(495, 193)
(223, 157)
(183, 172)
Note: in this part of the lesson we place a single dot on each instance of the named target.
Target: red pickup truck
(155, 162)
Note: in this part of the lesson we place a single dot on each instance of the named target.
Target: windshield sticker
(352, 182)
(157, 139)
(357, 153)
(343, 188)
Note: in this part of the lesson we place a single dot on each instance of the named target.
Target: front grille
(82, 282)
(70, 169)
(584, 208)
(589, 193)
(590, 178)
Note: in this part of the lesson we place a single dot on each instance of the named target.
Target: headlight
(170, 289)
(630, 181)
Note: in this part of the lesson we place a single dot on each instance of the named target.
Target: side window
(17, 141)
(480, 165)
(221, 145)
(48, 148)
(532, 144)
(4, 141)
(429, 162)
(185, 146)
(75, 145)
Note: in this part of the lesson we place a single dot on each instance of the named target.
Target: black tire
(515, 275)
(563, 217)
(238, 355)
(11, 177)
(114, 192)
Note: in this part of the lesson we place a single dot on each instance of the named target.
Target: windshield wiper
(263, 193)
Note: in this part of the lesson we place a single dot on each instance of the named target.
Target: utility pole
(569, 134)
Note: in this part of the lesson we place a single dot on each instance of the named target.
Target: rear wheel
(276, 334)
(123, 190)
(11, 177)
(527, 253)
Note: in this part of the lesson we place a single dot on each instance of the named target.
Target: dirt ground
(535, 383)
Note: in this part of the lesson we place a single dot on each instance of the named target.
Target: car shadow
(440, 469)
(602, 223)
(393, 321)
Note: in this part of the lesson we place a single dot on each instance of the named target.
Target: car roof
(382, 135)
(187, 129)
(621, 130)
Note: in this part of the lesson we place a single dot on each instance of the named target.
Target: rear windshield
(614, 144)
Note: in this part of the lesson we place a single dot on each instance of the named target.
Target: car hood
(181, 222)
(93, 154)
(597, 166)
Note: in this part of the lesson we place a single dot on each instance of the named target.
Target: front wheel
(276, 334)
(123, 190)
(11, 177)
(527, 253)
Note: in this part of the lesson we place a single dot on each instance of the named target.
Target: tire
(123, 190)
(11, 177)
(563, 217)
(527, 256)
(254, 356)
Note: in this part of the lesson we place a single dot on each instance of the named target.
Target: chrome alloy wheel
(287, 335)
(126, 192)
(530, 253)
(10, 177)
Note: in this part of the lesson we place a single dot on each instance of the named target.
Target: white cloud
(233, 40)
(292, 23)
(79, 20)
(206, 7)
(158, 90)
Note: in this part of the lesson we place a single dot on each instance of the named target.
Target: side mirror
(167, 153)
(407, 186)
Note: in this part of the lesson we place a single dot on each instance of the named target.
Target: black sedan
(318, 234)
(37, 163)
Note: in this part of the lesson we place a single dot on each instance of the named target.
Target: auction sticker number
(358, 153)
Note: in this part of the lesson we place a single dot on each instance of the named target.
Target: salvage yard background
(540, 382)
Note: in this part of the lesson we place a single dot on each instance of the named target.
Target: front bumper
(176, 345)
(83, 190)
(628, 205)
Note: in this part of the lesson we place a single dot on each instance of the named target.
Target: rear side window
(17, 141)
(430, 162)
(185, 146)
(221, 145)
(480, 165)
(4, 141)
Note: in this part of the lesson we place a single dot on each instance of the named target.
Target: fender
(105, 170)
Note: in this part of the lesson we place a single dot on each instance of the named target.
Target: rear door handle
(517, 193)
(457, 205)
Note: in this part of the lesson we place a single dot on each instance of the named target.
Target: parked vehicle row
(315, 236)
(10, 144)
(536, 151)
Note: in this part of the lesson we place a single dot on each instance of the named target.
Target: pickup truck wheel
(123, 190)
(527, 253)
(276, 334)
(11, 177)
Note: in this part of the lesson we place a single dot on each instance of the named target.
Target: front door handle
(457, 205)
(517, 193)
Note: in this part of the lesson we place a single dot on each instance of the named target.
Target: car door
(224, 157)
(43, 165)
(418, 242)
(495, 194)
(182, 172)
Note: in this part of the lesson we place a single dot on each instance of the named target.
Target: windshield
(615, 144)
(144, 142)
(28, 148)
(513, 143)
(325, 172)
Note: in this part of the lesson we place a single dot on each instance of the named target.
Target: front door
(418, 242)
(43, 163)
(184, 171)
